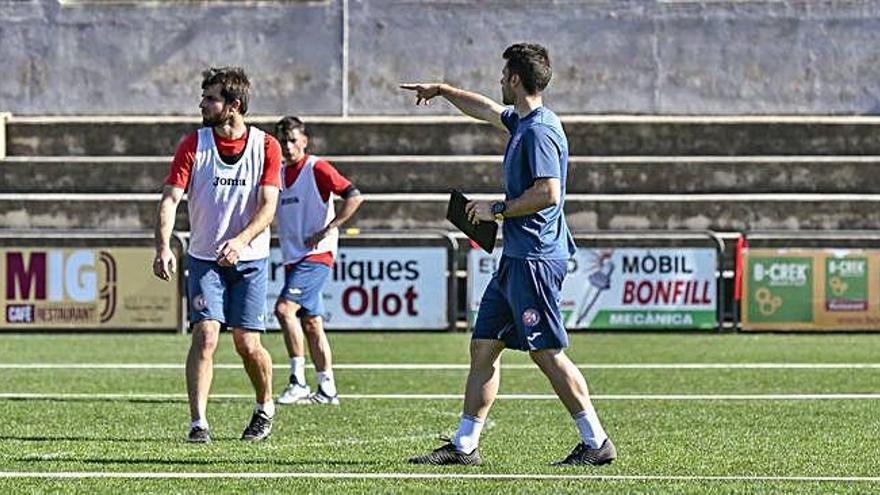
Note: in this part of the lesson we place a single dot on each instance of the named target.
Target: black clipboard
(483, 233)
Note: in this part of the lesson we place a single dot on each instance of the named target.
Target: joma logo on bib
(222, 181)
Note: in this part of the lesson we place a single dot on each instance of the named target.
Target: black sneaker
(198, 434)
(259, 428)
(448, 454)
(583, 455)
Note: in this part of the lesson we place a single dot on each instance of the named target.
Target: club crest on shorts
(530, 317)
(199, 302)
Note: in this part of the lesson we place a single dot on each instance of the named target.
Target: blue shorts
(233, 295)
(521, 305)
(304, 285)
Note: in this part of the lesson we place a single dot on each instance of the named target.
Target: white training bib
(223, 198)
(301, 213)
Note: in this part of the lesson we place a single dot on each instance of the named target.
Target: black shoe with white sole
(586, 456)
(198, 434)
(259, 428)
(448, 454)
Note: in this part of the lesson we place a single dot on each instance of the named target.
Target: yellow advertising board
(110, 288)
(811, 289)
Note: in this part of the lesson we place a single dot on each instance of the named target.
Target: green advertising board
(796, 289)
(780, 289)
(846, 284)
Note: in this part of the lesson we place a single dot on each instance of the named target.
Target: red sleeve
(272, 167)
(181, 165)
(329, 180)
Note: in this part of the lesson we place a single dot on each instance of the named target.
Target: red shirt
(328, 180)
(181, 165)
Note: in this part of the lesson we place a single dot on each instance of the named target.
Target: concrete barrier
(482, 174)
(413, 211)
(588, 135)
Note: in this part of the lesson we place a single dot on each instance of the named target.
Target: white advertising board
(672, 288)
(378, 288)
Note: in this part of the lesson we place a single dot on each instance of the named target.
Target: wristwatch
(498, 209)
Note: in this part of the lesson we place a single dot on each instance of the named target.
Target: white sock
(267, 407)
(298, 369)
(199, 423)
(467, 438)
(588, 424)
(326, 382)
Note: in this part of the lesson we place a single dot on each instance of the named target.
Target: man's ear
(235, 105)
(515, 80)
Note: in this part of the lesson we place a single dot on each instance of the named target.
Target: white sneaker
(294, 393)
(321, 397)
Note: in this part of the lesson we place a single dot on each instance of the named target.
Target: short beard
(224, 117)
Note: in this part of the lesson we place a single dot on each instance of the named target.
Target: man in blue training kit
(520, 308)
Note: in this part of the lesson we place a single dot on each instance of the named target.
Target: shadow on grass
(195, 462)
(98, 398)
(176, 439)
(28, 438)
(179, 440)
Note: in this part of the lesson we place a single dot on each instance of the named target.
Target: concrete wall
(670, 57)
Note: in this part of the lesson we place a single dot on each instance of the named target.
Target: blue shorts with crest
(521, 305)
(233, 295)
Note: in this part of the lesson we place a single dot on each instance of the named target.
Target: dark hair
(234, 84)
(531, 63)
(287, 125)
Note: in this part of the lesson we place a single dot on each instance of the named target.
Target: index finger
(409, 86)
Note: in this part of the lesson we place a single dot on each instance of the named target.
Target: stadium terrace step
(609, 135)
(482, 174)
(725, 212)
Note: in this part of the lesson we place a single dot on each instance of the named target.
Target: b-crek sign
(381, 288)
(624, 288)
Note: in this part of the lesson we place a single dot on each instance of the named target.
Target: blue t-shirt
(537, 149)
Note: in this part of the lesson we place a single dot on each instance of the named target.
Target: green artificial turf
(713, 438)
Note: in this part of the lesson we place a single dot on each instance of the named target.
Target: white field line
(444, 366)
(428, 476)
(638, 397)
(343, 442)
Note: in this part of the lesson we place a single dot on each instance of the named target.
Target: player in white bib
(232, 174)
(309, 233)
